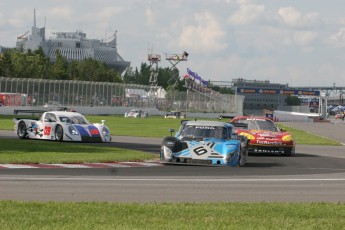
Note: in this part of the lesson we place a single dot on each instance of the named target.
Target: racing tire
(243, 157)
(59, 133)
(174, 147)
(291, 152)
(22, 130)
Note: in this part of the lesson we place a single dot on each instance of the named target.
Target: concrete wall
(284, 116)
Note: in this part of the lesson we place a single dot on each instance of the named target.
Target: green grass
(305, 138)
(35, 151)
(6, 122)
(153, 126)
(102, 215)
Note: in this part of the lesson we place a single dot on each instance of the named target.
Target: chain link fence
(53, 93)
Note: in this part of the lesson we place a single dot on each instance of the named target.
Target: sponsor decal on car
(268, 143)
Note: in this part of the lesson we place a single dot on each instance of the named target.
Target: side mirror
(171, 131)
(102, 121)
(283, 130)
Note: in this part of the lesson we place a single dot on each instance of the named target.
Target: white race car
(62, 126)
(137, 113)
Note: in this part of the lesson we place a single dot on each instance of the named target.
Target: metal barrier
(53, 93)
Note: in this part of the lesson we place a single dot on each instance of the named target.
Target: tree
(129, 75)
(293, 100)
(73, 70)
(59, 68)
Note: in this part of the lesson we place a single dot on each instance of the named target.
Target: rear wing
(32, 111)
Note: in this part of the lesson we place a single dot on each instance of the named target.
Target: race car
(205, 143)
(339, 116)
(61, 126)
(264, 135)
(137, 113)
(175, 114)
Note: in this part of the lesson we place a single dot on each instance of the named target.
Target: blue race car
(205, 143)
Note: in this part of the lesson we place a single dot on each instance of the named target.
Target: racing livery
(62, 126)
(205, 143)
(264, 135)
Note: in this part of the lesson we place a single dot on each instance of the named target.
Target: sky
(294, 42)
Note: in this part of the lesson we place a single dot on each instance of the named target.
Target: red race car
(264, 135)
(339, 116)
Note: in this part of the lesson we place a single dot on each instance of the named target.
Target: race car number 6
(200, 150)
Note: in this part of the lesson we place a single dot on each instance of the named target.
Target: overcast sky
(300, 42)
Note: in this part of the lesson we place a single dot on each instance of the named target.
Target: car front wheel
(59, 133)
(21, 130)
(290, 152)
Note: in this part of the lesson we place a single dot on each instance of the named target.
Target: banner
(314, 103)
(278, 91)
(197, 77)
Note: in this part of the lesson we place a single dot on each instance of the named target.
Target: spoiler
(16, 111)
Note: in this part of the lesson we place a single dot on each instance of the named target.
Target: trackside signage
(242, 90)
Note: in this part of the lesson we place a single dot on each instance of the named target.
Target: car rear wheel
(59, 133)
(21, 130)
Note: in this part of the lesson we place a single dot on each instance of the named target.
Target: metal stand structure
(154, 59)
(174, 59)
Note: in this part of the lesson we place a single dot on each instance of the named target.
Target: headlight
(228, 157)
(248, 135)
(72, 130)
(167, 152)
(287, 138)
(105, 131)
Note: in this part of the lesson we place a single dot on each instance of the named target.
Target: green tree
(73, 70)
(129, 75)
(293, 100)
(59, 68)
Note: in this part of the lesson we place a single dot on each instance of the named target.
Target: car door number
(47, 130)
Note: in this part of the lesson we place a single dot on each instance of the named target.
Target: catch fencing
(53, 93)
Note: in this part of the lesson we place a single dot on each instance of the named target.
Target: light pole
(323, 105)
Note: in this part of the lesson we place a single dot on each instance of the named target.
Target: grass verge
(35, 151)
(102, 215)
(304, 138)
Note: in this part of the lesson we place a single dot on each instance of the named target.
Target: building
(261, 94)
(74, 46)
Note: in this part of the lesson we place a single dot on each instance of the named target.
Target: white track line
(174, 179)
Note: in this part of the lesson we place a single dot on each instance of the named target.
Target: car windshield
(74, 120)
(256, 124)
(204, 132)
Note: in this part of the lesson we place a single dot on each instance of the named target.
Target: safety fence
(54, 93)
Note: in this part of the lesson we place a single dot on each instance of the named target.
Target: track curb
(122, 164)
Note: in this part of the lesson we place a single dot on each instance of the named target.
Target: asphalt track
(316, 173)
